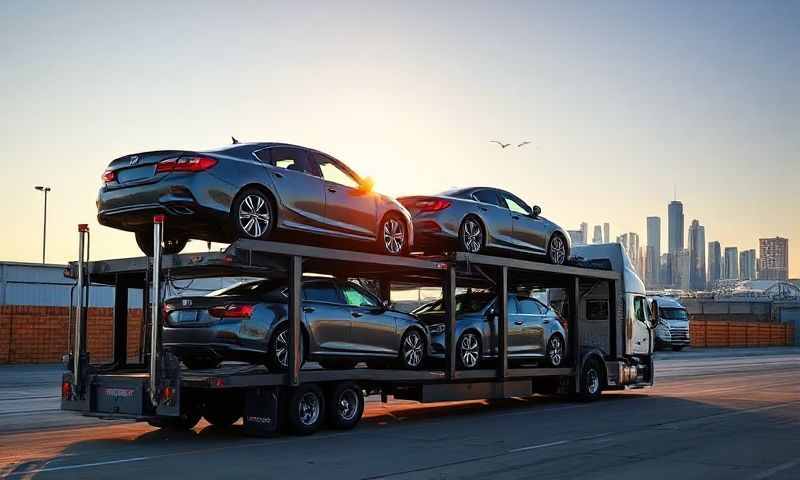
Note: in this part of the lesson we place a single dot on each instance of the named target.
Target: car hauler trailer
(597, 303)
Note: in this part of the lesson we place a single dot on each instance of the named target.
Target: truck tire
(305, 410)
(592, 381)
(345, 405)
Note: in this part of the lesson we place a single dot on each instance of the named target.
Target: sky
(625, 102)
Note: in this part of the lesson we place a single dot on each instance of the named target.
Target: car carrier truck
(609, 344)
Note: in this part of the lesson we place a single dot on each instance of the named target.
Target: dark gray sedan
(535, 331)
(342, 324)
(248, 190)
(480, 218)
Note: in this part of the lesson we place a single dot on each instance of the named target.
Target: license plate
(134, 174)
(187, 316)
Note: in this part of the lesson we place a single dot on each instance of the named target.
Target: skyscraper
(653, 260)
(675, 234)
(606, 232)
(597, 237)
(731, 263)
(714, 263)
(697, 254)
(585, 232)
(684, 264)
(630, 241)
(667, 262)
(747, 264)
(577, 237)
(773, 261)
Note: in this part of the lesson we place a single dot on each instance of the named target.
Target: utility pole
(44, 189)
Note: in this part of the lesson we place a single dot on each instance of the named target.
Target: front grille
(679, 335)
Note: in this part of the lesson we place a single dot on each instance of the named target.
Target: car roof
(466, 191)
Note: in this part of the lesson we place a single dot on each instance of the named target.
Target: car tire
(557, 250)
(253, 214)
(393, 236)
(305, 409)
(412, 350)
(170, 246)
(200, 363)
(278, 353)
(592, 381)
(555, 350)
(468, 351)
(471, 235)
(337, 364)
(345, 406)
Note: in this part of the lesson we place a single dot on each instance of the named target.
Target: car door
(532, 314)
(516, 328)
(348, 208)
(528, 231)
(496, 218)
(327, 316)
(298, 185)
(373, 330)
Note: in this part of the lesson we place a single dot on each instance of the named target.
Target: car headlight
(437, 328)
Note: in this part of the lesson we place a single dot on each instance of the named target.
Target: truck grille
(679, 335)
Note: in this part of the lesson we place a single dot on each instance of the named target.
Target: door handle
(331, 189)
(518, 322)
(279, 175)
(356, 314)
(308, 309)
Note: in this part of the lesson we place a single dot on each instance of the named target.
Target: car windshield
(673, 314)
(472, 302)
(258, 287)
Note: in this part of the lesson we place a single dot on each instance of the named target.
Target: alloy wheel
(592, 381)
(309, 408)
(558, 250)
(347, 405)
(254, 215)
(394, 236)
(413, 347)
(555, 351)
(472, 235)
(470, 350)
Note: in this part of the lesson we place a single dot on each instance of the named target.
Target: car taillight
(66, 390)
(231, 311)
(109, 176)
(185, 164)
(432, 205)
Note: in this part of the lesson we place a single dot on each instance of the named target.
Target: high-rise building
(651, 267)
(597, 237)
(697, 253)
(606, 232)
(684, 264)
(731, 263)
(714, 263)
(675, 233)
(630, 241)
(773, 258)
(585, 232)
(665, 269)
(654, 242)
(747, 264)
(577, 237)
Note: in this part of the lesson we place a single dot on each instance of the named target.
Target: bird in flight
(502, 145)
(524, 143)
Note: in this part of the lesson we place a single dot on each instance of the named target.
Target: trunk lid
(194, 311)
(138, 167)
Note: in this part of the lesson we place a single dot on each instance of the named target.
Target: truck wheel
(592, 380)
(306, 409)
(345, 406)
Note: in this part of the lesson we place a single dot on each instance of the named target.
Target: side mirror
(537, 210)
(654, 313)
(386, 305)
(367, 184)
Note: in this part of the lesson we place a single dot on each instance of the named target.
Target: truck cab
(672, 329)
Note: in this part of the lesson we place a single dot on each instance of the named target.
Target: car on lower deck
(478, 219)
(342, 324)
(248, 190)
(535, 331)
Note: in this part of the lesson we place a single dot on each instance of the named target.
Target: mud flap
(261, 411)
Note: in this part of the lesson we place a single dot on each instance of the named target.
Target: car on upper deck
(248, 190)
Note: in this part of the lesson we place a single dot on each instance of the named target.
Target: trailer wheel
(306, 409)
(592, 381)
(345, 406)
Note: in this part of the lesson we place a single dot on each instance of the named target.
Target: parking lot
(713, 414)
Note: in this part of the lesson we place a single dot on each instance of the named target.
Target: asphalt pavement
(732, 413)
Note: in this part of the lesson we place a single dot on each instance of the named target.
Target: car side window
(486, 196)
(321, 291)
(356, 297)
(295, 159)
(530, 306)
(333, 172)
(516, 205)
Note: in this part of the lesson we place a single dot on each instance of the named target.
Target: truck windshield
(673, 314)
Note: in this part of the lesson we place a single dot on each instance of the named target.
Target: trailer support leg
(501, 313)
(155, 309)
(295, 313)
(450, 306)
(79, 348)
(573, 294)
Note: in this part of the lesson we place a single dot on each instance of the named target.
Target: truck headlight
(437, 328)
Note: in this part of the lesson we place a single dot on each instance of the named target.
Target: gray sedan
(342, 324)
(481, 218)
(535, 331)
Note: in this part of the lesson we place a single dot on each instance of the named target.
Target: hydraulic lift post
(155, 324)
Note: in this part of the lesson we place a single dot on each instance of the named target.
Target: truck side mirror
(654, 312)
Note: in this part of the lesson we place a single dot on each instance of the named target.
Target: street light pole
(44, 226)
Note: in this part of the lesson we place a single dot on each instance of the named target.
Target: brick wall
(740, 334)
(33, 334)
